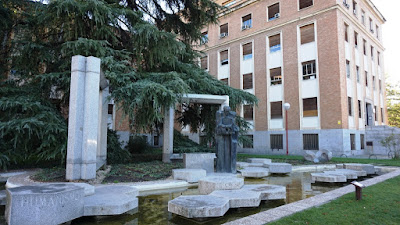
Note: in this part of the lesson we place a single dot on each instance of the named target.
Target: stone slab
(280, 168)
(258, 160)
(3, 197)
(189, 175)
(241, 165)
(111, 200)
(328, 178)
(239, 198)
(370, 169)
(255, 165)
(5, 176)
(47, 204)
(199, 206)
(268, 191)
(350, 174)
(254, 172)
(212, 183)
(199, 161)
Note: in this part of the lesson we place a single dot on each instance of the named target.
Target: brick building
(323, 57)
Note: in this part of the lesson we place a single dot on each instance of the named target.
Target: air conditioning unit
(277, 15)
(245, 27)
(222, 35)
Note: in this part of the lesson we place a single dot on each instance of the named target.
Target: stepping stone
(254, 172)
(360, 173)
(3, 197)
(189, 175)
(212, 183)
(241, 165)
(280, 168)
(370, 169)
(258, 160)
(239, 198)
(199, 206)
(328, 178)
(44, 204)
(111, 200)
(255, 165)
(267, 191)
(350, 174)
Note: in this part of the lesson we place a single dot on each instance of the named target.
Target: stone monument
(226, 137)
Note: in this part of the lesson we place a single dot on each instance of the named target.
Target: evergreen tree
(146, 53)
(393, 103)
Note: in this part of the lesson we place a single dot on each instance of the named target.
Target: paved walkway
(292, 208)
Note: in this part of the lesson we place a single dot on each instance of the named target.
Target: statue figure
(226, 137)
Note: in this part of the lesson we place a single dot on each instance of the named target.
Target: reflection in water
(153, 208)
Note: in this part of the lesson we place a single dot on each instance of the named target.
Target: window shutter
(247, 81)
(247, 49)
(307, 34)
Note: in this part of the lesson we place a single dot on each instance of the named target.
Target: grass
(380, 205)
(299, 160)
(55, 174)
(144, 171)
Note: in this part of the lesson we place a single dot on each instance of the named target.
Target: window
(247, 81)
(365, 47)
(307, 34)
(248, 112)
(363, 17)
(380, 86)
(305, 3)
(354, 7)
(110, 109)
(248, 143)
(372, 53)
(276, 76)
(310, 107)
(276, 110)
(373, 83)
(377, 31)
(310, 142)
(359, 109)
(276, 141)
(247, 51)
(348, 68)
(362, 141)
(379, 58)
(382, 115)
(223, 30)
(224, 57)
(358, 74)
(204, 62)
(376, 114)
(246, 22)
(353, 141)
(350, 106)
(366, 78)
(156, 141)
(309, 70)
(273, 12)
(355, 39)
(346, 32)
(274, 43)
(204, 38)
(371, 25)
(225, 81)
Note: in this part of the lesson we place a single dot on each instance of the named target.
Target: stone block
(322, 155)
(255, 165)
(111, 200)
(254, 172)
(328, 178)
(189, 175)
(350, 174)
(241, 165)
(280, 168)
(47, 204)
(199, 161)
(239, 198)
(267, 191)
(370, 169)
(3, 197)
(258, 160)
(309, 155)
(212, 183)
(199, 206)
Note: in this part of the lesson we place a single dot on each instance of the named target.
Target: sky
(391, 38)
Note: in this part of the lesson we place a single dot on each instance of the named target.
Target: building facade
(323, 57)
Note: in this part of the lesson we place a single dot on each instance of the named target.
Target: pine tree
(145, 48)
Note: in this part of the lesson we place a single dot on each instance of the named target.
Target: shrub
(137, 144)
(115, 153)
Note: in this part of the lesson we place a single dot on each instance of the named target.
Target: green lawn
(299, 160)
(380, 205)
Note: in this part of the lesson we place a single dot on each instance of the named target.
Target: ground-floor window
(353, 141)
(248, 143)
(310, 142)
(276, 141)
(362, 141)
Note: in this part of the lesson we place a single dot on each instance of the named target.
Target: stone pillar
(168, 134)
(83, 118)
(103, 120)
